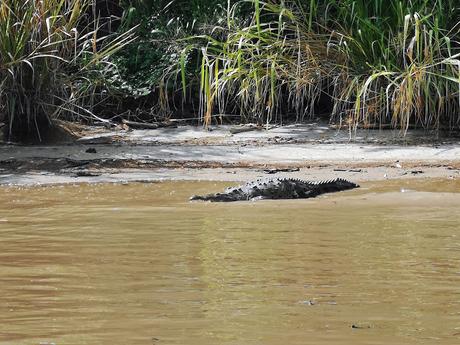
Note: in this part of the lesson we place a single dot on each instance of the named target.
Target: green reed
(378, 62)
(52, 62)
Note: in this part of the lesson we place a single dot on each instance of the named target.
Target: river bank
(313, 151)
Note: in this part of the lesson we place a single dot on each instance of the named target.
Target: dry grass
(379, 62)
(52, 62)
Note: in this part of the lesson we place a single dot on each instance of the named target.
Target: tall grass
(400, 59)
(377, 62)
(365, 63)
(53, 62)
(260, 70)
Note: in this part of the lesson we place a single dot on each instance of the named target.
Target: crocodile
(278, 188)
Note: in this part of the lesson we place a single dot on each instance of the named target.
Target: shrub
(378, 62)
(53, 63)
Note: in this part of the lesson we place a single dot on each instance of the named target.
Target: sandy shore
(191, 153)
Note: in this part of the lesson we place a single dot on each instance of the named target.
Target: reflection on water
(138, 264)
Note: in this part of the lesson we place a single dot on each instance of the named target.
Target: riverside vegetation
(357, 62)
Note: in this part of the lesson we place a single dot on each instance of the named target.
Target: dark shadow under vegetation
(357, 63)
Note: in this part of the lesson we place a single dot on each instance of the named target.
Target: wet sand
(192, 153)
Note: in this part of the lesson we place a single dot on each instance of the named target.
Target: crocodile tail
(337, 185)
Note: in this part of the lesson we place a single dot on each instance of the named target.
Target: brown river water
(139, 264)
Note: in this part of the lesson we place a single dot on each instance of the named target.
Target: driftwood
(243, 129)
(183, 120)
(275, 171)
(85, 173)
(144, 125)
(348, 170)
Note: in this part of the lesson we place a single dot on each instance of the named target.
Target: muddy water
(137, 264)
